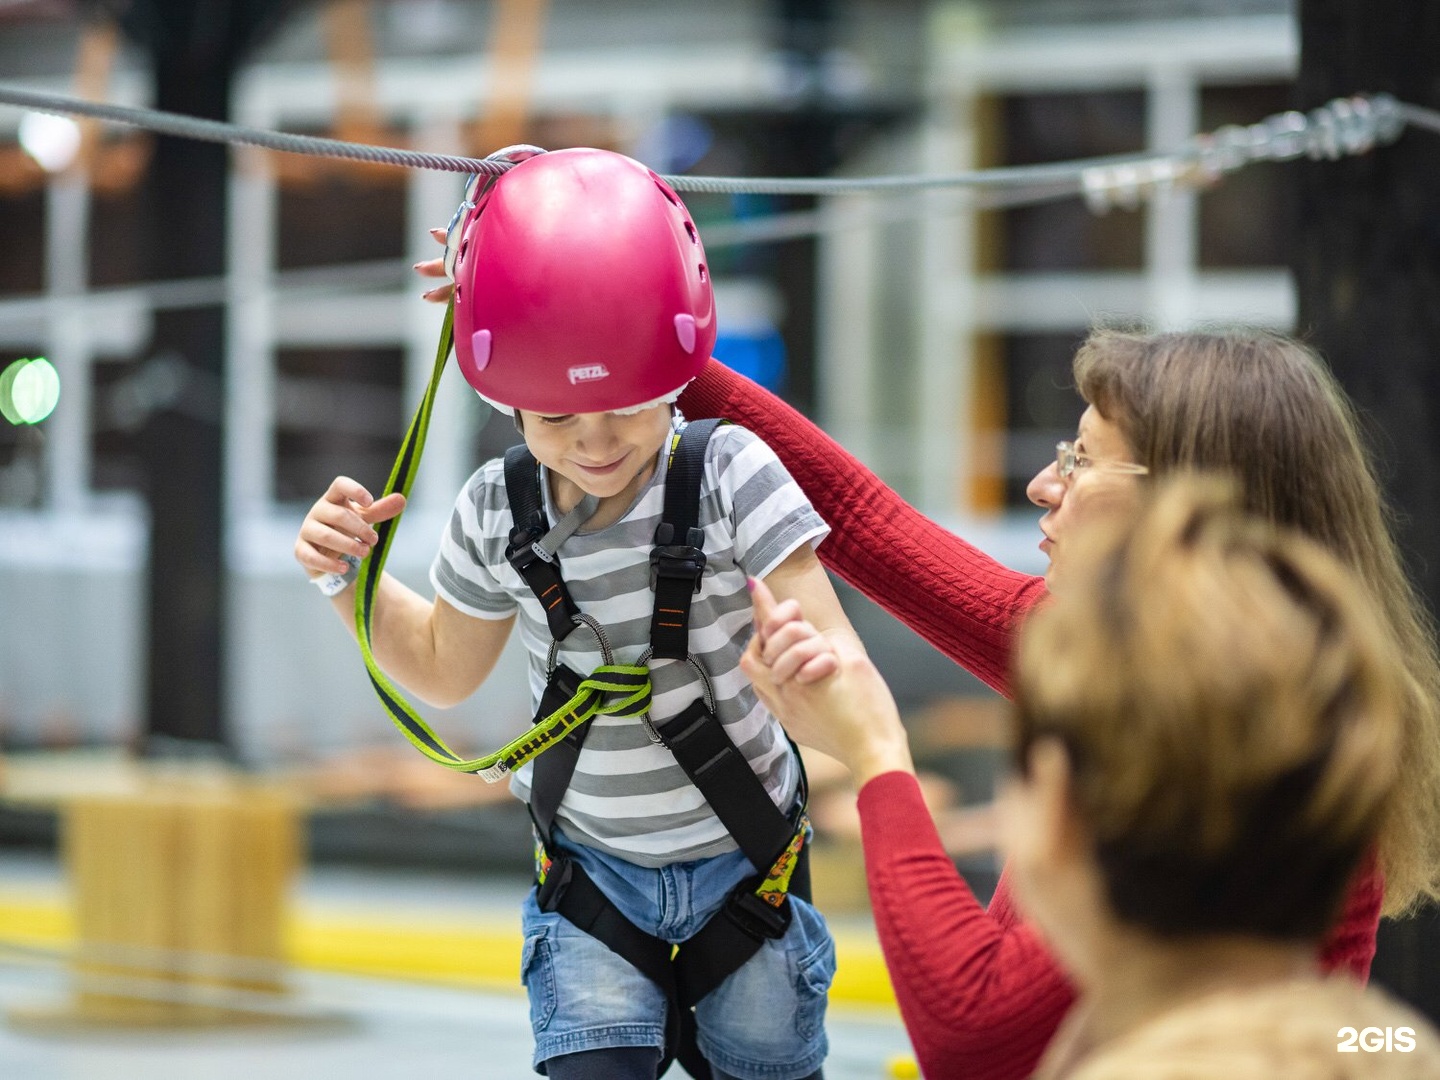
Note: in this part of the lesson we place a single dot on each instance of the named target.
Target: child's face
(601, 453)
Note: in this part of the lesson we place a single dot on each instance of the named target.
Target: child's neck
(565, 493)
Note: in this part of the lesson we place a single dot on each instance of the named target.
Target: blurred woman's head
(1262, 409)
(1209, 728)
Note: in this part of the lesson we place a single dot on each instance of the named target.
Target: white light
(53, 141)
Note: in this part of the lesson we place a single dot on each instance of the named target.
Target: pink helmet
(580, 286)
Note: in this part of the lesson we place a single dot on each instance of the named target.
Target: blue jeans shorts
(765, 1022)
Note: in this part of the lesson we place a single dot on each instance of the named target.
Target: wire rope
(1343, 126)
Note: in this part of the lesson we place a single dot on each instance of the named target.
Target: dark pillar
(1367, 269)
(802, 143)
(182, 444)
(194, 47)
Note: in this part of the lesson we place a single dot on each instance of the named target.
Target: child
(583, 306)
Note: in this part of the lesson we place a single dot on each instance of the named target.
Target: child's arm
(799, 581)
(438, 653)
(822, 686)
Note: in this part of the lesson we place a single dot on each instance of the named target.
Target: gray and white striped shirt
(628, 796)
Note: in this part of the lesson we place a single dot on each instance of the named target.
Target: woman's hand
(824, 689)
(435, 268)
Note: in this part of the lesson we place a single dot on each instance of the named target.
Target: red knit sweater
(979, 992)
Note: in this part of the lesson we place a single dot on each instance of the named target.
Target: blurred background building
(933, 341)
(155, 502)
(931, 338)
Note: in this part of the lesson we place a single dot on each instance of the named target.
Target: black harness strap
(714, 765)
(553, 769)
(522, 488)
(568, 891)
(678, 559)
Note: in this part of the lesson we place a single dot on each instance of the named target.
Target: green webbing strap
(612, 689)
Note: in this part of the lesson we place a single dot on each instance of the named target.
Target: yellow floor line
(457, 952)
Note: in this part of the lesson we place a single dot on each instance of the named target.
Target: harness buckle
(524, 550)
(755, 917)
(678, 562)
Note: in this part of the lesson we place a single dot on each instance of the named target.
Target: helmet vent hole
(457, 293)
(665, 190)
(464, 247)
(690, 230)
(702, 272)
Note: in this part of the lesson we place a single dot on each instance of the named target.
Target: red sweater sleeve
(1350, 945)
(978, 990)
(952, 594)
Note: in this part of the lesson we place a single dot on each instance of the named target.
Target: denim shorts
(765, 1022)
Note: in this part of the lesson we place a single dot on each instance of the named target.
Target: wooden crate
(180, 893)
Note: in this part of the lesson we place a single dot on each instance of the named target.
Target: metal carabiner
(706, 690)
(607, 655)
(475, 186)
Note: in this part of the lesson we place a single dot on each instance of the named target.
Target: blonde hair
(1263, 409)
(1231, 708)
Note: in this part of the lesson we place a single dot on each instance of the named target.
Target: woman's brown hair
(1230, 705)
(1263, 409)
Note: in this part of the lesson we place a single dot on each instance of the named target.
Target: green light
(29, 391)
(7, 382)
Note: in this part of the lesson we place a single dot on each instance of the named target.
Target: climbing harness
(773, 842)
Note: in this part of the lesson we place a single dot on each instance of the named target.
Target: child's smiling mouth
(603, 470)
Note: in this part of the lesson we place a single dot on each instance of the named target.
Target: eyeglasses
(1067, 460)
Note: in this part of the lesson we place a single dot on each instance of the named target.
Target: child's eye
(556, 419)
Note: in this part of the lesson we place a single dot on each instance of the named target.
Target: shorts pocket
(814, 972)
(537, 972)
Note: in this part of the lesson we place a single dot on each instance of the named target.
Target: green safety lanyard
(611, 689)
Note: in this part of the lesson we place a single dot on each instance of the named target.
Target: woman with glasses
(980, 992)
(1184, 882)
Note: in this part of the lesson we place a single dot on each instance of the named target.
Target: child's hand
(435, 268)
(788, 645)
(341, 522)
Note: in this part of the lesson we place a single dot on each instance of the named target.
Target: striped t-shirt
(628, 796)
